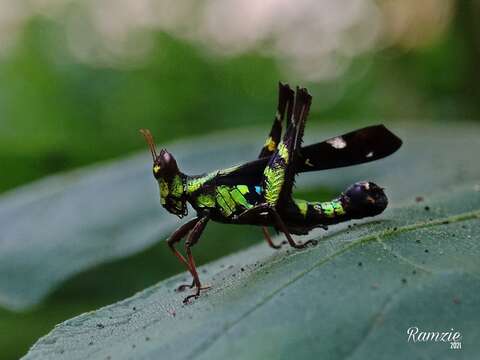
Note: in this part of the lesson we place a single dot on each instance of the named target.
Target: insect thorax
(228, 200)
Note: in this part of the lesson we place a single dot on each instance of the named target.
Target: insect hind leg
(279, 174)
(284, 106)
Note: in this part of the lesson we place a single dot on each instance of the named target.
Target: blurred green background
(79, 78)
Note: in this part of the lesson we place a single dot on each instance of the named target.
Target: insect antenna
(151, 143)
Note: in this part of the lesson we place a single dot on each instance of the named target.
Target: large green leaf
(57, 227)
(352, 296)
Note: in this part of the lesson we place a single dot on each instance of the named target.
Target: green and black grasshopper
(259, 192)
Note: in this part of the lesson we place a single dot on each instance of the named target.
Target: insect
(259, 192)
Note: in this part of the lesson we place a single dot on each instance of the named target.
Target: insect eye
(156, 169)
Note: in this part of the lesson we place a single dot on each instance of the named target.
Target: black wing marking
(356, 147)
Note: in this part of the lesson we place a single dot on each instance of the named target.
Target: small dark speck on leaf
(242, 269)
(360, 263)
(426, 250)
(395, 228)
(414, 271)
(445, 222)
(147, 339)
(418, 241)
(90, 343)
(134, 346)
(427, 208)
(110, 317)
(419, 199)
(261, 265)
(100, 326)
(456, 300)
(404, 281)
(233, 275)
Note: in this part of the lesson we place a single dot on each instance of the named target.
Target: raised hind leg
(284, 106)
(278, 176)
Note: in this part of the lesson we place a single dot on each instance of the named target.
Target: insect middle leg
(257, 210)
(269, 240)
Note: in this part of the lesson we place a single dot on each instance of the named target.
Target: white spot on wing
(369, 155)
(337, 142)
(307, 162)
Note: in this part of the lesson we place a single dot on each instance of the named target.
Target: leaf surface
(352, 296)
(57, 227)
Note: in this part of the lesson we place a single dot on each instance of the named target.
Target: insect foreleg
(191, 241)
(176, 237)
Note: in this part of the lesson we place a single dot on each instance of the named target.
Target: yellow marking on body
(270, 144)
(156, 169)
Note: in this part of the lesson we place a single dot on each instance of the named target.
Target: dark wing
(356, 147)
(250, 173)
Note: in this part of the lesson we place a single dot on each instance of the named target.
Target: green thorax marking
(194, 184)
(228, 199)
